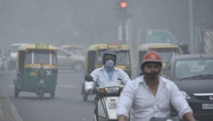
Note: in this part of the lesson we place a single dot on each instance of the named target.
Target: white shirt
(143, 104)
(100, 75)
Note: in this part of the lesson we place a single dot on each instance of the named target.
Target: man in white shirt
(150, 95)
(107, 73)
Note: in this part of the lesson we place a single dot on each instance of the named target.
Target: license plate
(112, 105)
(207, 106)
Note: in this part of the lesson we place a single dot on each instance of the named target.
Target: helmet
(151, 56)
(109, 52)
(183, 45)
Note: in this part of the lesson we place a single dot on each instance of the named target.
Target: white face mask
(109, 64)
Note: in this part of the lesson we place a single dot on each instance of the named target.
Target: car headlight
(186, 96)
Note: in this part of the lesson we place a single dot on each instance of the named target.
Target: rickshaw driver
(151, 95)
(108, 72)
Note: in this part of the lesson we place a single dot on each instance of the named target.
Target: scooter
(107, 95)
(164, 119)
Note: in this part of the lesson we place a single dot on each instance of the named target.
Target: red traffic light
(123, 4)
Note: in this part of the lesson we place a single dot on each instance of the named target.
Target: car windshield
(166, 53)
(41, 57)
(194, 68)
(123, 57)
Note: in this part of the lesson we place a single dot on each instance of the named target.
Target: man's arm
(125, 77)
(125, 102)
(188, 117)
(89, 86)
(180, 104)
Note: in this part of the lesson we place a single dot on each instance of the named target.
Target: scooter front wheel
(16, 92)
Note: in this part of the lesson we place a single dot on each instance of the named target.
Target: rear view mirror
(88, 78)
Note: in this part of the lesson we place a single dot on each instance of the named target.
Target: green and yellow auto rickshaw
(37, 69)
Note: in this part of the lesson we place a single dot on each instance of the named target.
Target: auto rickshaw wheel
(16, 92)
(41, 93)
(52, 94)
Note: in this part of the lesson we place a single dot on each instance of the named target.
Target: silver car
(68, 60)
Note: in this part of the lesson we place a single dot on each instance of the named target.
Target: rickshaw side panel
(51, 79)
(29, 79)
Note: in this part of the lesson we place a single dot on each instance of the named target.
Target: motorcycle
(107, 95)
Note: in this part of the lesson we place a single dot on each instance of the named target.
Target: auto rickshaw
(166, 51)
(94, 59)
(37, 69)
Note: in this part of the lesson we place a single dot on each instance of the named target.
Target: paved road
(66, 106)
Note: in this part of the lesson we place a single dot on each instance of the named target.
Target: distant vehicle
(166, 51)
(36, 70)
(75, 49)
(193, 75)
(68, 60)
(13, 55)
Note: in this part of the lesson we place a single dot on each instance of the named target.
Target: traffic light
(122, 10)
(123, 4)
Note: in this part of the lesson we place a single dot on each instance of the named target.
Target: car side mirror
(88, 78)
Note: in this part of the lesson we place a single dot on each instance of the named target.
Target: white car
(68, 60)
(13, 54)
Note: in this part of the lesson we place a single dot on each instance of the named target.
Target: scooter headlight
(112, 90)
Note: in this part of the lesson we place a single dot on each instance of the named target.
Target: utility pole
(191, 27)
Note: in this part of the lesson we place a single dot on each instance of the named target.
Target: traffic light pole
(124, 38)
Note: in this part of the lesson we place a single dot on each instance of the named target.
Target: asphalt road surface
(66, 106)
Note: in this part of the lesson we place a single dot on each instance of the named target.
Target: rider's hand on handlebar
(89, 90)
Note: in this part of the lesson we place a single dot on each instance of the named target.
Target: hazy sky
(87, 21)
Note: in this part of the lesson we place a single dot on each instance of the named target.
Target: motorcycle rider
(185, 48)
(151, 95)
(108, 72)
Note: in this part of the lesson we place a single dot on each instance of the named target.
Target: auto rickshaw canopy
(37, 46)
(114, 46)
